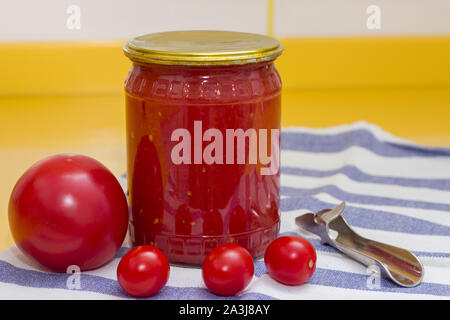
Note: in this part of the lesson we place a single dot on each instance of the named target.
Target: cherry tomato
(68, 210)
(228, 269)
(143, 271)
(290, 260)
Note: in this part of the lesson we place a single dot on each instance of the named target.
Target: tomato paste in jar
(203, 141)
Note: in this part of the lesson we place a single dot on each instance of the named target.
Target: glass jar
(203, 142)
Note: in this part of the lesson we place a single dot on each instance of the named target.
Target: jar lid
(202, 48)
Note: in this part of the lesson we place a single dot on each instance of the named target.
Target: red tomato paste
(202, 148)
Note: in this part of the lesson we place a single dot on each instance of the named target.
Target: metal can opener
(397, 264)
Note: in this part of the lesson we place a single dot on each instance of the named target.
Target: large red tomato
(68, 210)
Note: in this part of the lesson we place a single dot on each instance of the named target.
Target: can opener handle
(400, 265)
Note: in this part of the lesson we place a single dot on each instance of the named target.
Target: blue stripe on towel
(369, 218)
(328, 143)
(97, 284)
(348, 280)
(356, 174)
(338, 193)
(326, 248)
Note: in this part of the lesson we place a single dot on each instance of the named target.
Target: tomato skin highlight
(227, 270)
(68, 210)
(143, 271)
(290, 260)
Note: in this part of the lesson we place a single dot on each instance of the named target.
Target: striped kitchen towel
(396, 192)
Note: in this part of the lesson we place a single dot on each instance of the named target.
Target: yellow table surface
(33, 127)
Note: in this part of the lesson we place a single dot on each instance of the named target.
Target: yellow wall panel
(62, 68)
(365, 62)
(100, 67)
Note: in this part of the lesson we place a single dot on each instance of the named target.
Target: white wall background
(45, 20)
(349, 17)
(107, 19)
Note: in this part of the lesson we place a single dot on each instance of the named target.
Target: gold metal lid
(202, 48)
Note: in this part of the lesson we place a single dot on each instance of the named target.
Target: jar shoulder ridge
(205, 85)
